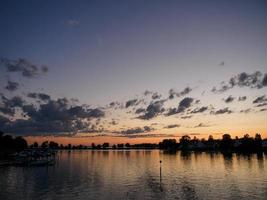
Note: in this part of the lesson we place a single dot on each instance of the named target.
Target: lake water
(135, 174)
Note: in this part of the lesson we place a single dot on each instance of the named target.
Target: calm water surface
(135, 174)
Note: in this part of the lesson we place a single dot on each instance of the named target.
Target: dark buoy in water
(160, 169)
(160, 175)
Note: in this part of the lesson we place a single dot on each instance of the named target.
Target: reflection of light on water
(138, 174)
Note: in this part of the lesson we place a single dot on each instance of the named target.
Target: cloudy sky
(135, 71)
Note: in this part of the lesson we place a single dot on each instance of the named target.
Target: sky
(132, 71)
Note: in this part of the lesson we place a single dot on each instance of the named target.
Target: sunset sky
(132, 71)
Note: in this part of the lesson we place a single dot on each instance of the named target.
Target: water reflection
(133, 174)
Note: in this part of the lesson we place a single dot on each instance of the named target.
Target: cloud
(246, 110)
(140, 110)
(222, 63)
(183, 105)
(147, 92)
(145, 129)
(172, 126)
(173, 93)
(243, 79)
(50, 117)
(24, 67)
(264, 80)
(201, 125)
(40, 96)
(152, 110)
(229, 99)
(261, 99)
(261, 104)
(242, 98)
(12, 86)
(73, 22)
(131, 102)
(8, 106)
(199, 110)
(222, 111)
(116, 105)
(187, 117)
(155, 95)
(151, 135)
(113, 122)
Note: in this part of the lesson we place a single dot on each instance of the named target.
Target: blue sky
(104, 51)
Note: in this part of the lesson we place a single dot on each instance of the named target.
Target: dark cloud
(261, 99)
(173, 93)
(147, 92)
(243, 79)
(172, 126)
(40, 96)
(131, 102)
(229, 99)
(247, 80)
(155, 95)
(201, 125)
(8, 106)
(183, 105)
(52, 117)
(113, 122)
(152, 110)
(222, 89)
(151, 135)
(12, 86)
(32, 127)
(222, 63)
(264, 80)
(3, 121)
(116, 105)
(187, 117)
(137, 130)
(261, 104)
(222, 111)
(199, 110)
(246, 110)
(95, 113)
(90, 128)
(23, 66)
(44, 69)
(140, 110)
(242, 98)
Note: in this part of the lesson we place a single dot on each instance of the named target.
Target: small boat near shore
(35, 157)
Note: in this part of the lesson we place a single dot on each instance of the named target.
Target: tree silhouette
(127, 145)
(35, 145)
(226, 143)
(169, 144)
(184, 142)
(44, 144)
(105, 145)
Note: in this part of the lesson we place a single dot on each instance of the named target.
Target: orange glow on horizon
(116, 140)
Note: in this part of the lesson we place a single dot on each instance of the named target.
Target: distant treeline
(226, 144)
(246, 144)
(105, 145)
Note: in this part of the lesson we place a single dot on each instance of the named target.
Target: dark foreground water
(136, 175)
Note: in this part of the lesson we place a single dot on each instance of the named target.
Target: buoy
(160, 176)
